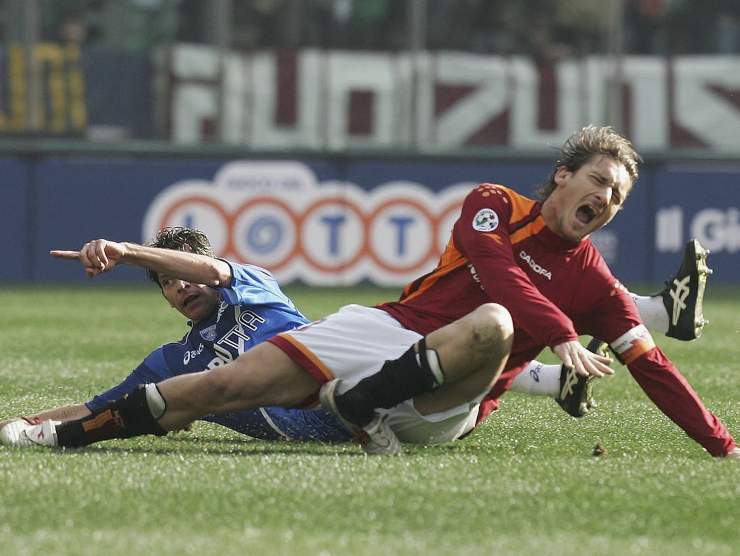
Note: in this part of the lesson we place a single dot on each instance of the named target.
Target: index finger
(69, 255)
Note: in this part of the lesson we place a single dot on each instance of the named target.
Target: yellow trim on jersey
(633, 344)
(308, 354)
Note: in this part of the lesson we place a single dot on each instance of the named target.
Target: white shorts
(354, 343)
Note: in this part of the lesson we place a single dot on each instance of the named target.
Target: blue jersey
(251, 310)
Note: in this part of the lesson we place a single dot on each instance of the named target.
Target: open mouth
(585, 214)
(189, 299)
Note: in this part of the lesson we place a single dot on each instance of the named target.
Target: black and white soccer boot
(376, 438)
(684, 294)
(576, 392)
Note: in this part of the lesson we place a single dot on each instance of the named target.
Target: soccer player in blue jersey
(241, 306)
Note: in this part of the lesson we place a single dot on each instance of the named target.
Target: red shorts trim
(302, 356)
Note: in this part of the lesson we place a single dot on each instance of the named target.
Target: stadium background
(330, 140)
(261, 119)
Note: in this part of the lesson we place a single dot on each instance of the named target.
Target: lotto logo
(276, 215)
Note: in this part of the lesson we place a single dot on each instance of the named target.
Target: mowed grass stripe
(524, 483)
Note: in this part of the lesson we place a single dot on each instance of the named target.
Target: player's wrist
(128, 252)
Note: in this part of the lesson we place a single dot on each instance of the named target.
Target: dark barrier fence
(334, 220)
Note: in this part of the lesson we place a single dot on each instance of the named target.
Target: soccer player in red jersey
(517, 276)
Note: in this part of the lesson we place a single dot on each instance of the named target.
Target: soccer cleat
(576, 392)
(23, 433)
(381, 440)
(684, 294)
(376, 438)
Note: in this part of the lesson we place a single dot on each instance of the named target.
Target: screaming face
(588, 199)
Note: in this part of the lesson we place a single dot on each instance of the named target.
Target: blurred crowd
(540, 28)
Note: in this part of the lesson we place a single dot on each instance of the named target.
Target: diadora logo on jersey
(221, 308)
(209, 333)
(534, 266)
(192, 354)
(485, 220)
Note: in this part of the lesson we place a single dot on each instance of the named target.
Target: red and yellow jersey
(501, 251)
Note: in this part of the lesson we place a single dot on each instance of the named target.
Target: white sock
(155, 401)
(652, 312)
(538, 379)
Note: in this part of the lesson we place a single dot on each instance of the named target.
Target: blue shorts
(277, 423)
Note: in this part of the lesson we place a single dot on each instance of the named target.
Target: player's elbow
(217, 273)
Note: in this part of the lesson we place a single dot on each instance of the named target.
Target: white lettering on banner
(338, 100)
(669, 229)
(717, 229)
(449, 128)
(700, 106)
(328, 233)
(266, 131)
(646, 87)
(525, 107)
(379, 77)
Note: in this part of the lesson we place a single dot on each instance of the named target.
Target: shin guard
(126, 417)
(397, 381)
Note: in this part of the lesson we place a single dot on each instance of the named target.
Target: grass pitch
(523, 483)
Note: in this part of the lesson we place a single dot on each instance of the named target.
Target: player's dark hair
(178, 238)
(592, 141)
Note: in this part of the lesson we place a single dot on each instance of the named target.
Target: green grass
(524, 483)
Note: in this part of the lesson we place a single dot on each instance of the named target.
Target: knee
(492, 326)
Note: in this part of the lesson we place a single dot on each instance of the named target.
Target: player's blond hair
(592, 141)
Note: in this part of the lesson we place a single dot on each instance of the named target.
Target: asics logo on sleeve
(534, 266)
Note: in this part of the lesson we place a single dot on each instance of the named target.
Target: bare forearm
(179, 264)
(63, 413)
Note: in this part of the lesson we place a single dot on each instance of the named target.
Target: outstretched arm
(152, 369)
(62, 413)
(101, 255)
(615, 319)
